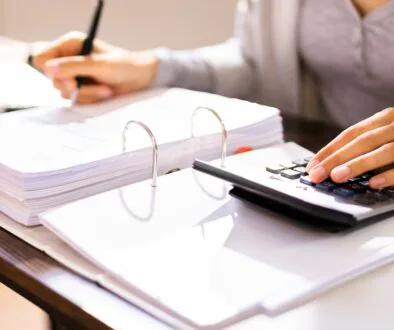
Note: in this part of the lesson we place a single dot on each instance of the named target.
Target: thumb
(73, 66)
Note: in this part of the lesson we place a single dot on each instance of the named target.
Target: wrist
(165, 74)
(152, 67)
(147, 64)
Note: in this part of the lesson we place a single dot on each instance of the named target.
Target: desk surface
(78, 303)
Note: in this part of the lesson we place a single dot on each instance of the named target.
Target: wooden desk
(76, 303)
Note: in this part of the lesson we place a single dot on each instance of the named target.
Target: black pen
(87, 46)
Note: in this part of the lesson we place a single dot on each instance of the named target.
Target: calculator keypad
(300, 162)
(290, 174)
(301, 169)
(356, 189)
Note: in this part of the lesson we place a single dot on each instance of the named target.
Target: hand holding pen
(106, 72)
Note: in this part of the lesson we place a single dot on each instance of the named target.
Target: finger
(67, 45)
(66, 87)
(94, 93)
(382, 118)
(383, 180)
(71, 67)
(374, 160)
(363, 144)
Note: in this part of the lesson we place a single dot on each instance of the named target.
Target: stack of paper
(49, 157)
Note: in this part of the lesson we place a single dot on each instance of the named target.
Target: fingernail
(318, 174)
(312, 164)
(105, 93)
(51, 68)
(377, 182)
(341, 173)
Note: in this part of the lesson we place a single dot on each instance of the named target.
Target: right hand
(113, 71)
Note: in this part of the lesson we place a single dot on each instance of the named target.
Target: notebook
(206, 260)
(52, 156)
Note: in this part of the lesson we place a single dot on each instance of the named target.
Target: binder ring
(221, 197)
(224, 130)
(135, 215)
(154, 145)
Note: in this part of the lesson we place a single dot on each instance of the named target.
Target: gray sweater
(351, 57)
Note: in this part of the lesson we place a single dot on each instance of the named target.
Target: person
(312, 58)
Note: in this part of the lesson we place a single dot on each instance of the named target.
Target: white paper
(54, 139)
(211, 259)
(22, 86)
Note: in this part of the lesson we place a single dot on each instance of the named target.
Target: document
(51, 156)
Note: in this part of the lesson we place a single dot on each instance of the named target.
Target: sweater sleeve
(224, 69)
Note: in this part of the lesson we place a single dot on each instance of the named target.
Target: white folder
(209, 260)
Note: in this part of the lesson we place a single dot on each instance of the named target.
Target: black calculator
(276, 178)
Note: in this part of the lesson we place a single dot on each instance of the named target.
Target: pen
(18, 108)
(87, 46)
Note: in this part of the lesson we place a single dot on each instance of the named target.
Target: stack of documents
(49, 157)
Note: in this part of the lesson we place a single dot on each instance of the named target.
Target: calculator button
(356, 180)
(380, 197)
(300, 162)
(288, 165)
(306, 180)
(366, 176)
(290, 174)
(300, 169)
(357, 188)
(364, 183)
(366, 199)
(388, 192)
(308, 159)
(275, 169)
(344, 192)
(326, 186)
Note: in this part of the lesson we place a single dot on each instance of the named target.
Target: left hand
(366, 146)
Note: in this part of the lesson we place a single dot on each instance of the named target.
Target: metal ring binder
(134, 215)
(224, 186)
(154, 145)
(224, 130)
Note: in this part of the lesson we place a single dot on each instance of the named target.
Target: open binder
(189, 254)
(50, 157)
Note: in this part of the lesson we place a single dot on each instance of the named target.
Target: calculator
(276, 178)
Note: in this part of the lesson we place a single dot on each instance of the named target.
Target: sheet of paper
(22, 86)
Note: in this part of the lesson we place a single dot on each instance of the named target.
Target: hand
(113, 71)
(366, 146)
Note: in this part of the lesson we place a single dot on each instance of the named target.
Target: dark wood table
(73, 302)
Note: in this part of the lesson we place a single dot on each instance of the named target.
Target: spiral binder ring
(154, 145)
(224, 130)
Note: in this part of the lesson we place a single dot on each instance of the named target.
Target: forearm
(222, 69)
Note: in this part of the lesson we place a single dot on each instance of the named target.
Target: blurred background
(133, 24)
